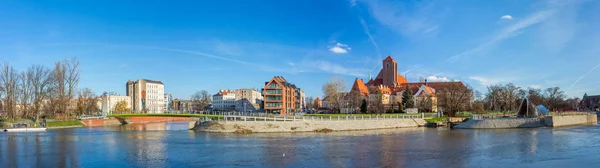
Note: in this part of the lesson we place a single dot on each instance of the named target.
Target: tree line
(44, 91)
(509, 96)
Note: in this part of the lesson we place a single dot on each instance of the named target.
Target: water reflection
(172, 145)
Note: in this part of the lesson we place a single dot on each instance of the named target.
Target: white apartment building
(147, 96)
(167, 102)
(224, 100)
(108, 102)
(248, 100)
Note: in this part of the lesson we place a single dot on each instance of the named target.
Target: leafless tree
(25, 90)
(377, 102)
(454, 97)
(555, 98)
(310, 102)
(355, 99)
(200, 100)
(9, 79)
(41, 81)
(66, 75)
(333, 91)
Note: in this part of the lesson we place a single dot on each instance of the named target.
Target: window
(273, 85)
(274, 92)
(387, 66)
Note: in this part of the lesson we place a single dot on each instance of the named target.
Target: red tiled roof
(360, 86)
(389, 57)
(401, 80)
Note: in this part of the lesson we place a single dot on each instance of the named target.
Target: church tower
(389, 72)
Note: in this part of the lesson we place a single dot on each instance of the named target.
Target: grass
(435, 119)
(386, 114)
(64, 123)
(164, 115)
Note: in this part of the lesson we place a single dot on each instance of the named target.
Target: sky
(230, 44)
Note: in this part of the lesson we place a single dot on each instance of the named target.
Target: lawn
(64, 123)
(386, 114)
(165, 115)
(435, 119)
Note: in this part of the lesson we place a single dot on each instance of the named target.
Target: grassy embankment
(164, 115)
(69, 123)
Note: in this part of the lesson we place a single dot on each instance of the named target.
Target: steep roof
(401, 80)
(153, 81)
(359, 85)
(389, 57)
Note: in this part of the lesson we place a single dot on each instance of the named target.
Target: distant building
(247, 100)
(281, 97)
(225, 100)
(147, 96)
(590, 103)
(109, 101)
(167, 99)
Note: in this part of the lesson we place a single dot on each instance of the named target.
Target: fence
(237, 118)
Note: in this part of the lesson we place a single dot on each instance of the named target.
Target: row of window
(274, 92)
(274, 85)
(273, 97)
(274, 104)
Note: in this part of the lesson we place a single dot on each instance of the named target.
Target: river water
(172, 145)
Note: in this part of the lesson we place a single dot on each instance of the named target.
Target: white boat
(25, 129)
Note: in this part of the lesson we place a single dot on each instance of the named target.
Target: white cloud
(340, 48)
(437, 79)
(535, 86)
(352, 2)
(506, 17)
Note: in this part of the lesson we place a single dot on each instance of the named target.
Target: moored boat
(25, 129)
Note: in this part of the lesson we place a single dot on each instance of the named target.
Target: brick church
(392, 85)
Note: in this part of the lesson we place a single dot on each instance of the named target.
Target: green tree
(407, 98)
(400, 107)
(363, 106)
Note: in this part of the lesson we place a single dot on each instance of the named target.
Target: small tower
(390, 72)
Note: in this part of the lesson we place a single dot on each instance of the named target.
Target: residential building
(147, 96)
(281, 97)
(167, 99)
(248, 100)
(392, 85)
(224, 100)
(318, 103)
(590, 103)
(109, 101)
(301, 100)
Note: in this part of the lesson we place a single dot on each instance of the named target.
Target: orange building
(281, 97)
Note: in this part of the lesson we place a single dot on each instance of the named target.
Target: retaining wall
(502, 123)
(100, 122)
(557, 121)
(304, 126)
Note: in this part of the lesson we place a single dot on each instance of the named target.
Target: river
(172, 145)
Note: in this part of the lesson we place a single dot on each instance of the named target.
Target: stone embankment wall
(100, 122)
(557, 121)
(132, 120)
(303, 126)
(502, 123)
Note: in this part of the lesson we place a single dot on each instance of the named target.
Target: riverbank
(550, 121)
(302, 126)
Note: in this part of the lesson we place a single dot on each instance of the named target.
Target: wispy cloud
(552, 9)
(485, 81)
(408, 19)
(340, 48)
(123, 65)
(227, 49)
(505, 33)
(336, 69)
(506, 17)
(584, 75)
(352, 2)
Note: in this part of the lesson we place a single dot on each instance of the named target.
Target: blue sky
(212, 45)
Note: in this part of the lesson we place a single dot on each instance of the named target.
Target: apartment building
(224, 100)
(109, 101)
(281, 97)
(248, 100)
(147, 96)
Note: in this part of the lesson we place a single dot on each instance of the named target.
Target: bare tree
(41, 81)
(200, 100)
(9, 80)
(333, 91)
(555, 98)
(355, 99)
(66, 75)
(454, 97)
(310, 102)
(378, 102)
(25, 89)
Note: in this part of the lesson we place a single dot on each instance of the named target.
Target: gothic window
(387, 66)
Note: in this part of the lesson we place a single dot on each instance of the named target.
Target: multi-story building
(280, 96)
(109, 101)
(147, 96)
(248, 100)
(225, 100)
(167, 99)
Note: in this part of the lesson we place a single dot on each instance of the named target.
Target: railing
(237, 118)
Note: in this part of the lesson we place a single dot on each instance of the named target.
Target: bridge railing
(237, 118)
